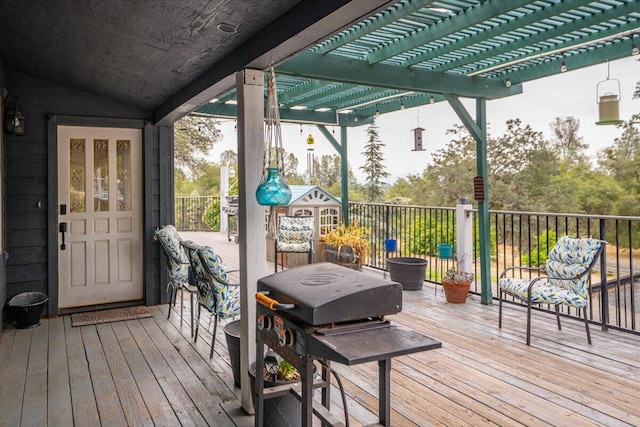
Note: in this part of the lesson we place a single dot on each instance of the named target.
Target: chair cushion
(543, 291)
(177, 260)
(294, 234)
(213, 293)
(567, 260)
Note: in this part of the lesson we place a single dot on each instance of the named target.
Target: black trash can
(27, 308)
(232, 333)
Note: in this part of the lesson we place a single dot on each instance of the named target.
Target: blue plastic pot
(445, 250)
(390, 245)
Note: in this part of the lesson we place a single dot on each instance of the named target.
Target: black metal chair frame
(533, 282)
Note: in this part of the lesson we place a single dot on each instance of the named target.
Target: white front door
(99, 215)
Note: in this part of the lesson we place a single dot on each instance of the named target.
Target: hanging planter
(273, 189)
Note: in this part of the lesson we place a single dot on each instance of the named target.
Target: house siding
(3, 274)
(28, 172)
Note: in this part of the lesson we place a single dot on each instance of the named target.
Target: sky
(568, 94)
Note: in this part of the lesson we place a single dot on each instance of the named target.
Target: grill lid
(326, 293)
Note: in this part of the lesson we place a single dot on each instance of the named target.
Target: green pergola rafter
(472, 16)
(554, 33)
(398, 11)
(480, 36)
(346, 70)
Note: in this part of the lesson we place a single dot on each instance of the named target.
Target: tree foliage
(373, 167)
(566, 141)
(195, 136)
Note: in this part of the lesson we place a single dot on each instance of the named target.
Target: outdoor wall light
(13, 119)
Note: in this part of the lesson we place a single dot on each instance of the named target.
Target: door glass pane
(124, 174)
(100, 175)
(77, 174)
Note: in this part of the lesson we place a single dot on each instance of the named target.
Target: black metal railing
(515, 238)
(191, 210)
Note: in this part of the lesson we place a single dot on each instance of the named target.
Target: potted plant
(346, 245)
(456, 285)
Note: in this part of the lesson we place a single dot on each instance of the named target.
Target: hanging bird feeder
(608, 102)
(417, 139)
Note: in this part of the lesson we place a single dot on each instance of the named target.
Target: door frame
(52, 199)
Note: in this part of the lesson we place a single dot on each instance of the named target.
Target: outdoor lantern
(14, 119)
(608, 102)
(417, 139)
(271, 363)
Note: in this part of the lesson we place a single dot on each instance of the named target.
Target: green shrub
(538, 256)
(211, 216)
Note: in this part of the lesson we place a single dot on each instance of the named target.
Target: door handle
(63, 229)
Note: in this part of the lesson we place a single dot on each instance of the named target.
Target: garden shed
(309, 200)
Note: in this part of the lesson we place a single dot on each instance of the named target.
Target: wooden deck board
(109, 407)
(133, 404)
(35, 390)
(11, 395)
(84, 407)
(59, 410)
(151, 372)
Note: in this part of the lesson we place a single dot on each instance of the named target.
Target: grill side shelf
(370, 345)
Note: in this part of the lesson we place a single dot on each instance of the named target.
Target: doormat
(111, 315)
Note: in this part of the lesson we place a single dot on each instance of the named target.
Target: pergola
(419, 52)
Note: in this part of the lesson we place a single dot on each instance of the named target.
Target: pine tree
(374, 168)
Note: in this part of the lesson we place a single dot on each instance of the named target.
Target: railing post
(464, 236)
(604, 291)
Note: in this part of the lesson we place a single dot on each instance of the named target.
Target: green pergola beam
(341, 148)
(474, 15)
(617, 49)
(478, 129)
(290, 95)
(556, 32)
(480, 36)
(327, 97)
(369, 25)
(341, 69)
(331, 118)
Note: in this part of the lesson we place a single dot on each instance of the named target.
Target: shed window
(328, 220)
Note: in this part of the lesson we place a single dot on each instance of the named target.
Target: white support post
(464, 236)
(224, 192)
(253, 246)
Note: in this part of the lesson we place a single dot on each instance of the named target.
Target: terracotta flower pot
(456, 293)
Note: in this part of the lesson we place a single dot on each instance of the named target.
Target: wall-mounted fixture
(13, 118)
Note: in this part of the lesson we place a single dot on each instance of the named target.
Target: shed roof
(311, 195)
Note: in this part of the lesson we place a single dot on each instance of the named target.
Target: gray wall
(3, 276)
(27, 175)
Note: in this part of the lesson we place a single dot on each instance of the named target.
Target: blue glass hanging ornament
(273, 189)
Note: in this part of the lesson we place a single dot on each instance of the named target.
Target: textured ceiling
(161, 55)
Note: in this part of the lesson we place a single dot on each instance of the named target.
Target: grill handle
(272, 304)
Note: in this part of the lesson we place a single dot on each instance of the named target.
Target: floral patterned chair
(295, 235)
(565, 280)
(178, 265)
(215, 293)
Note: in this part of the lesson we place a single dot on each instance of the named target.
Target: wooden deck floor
(148, 371)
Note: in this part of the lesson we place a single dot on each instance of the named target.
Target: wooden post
(253, 246)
